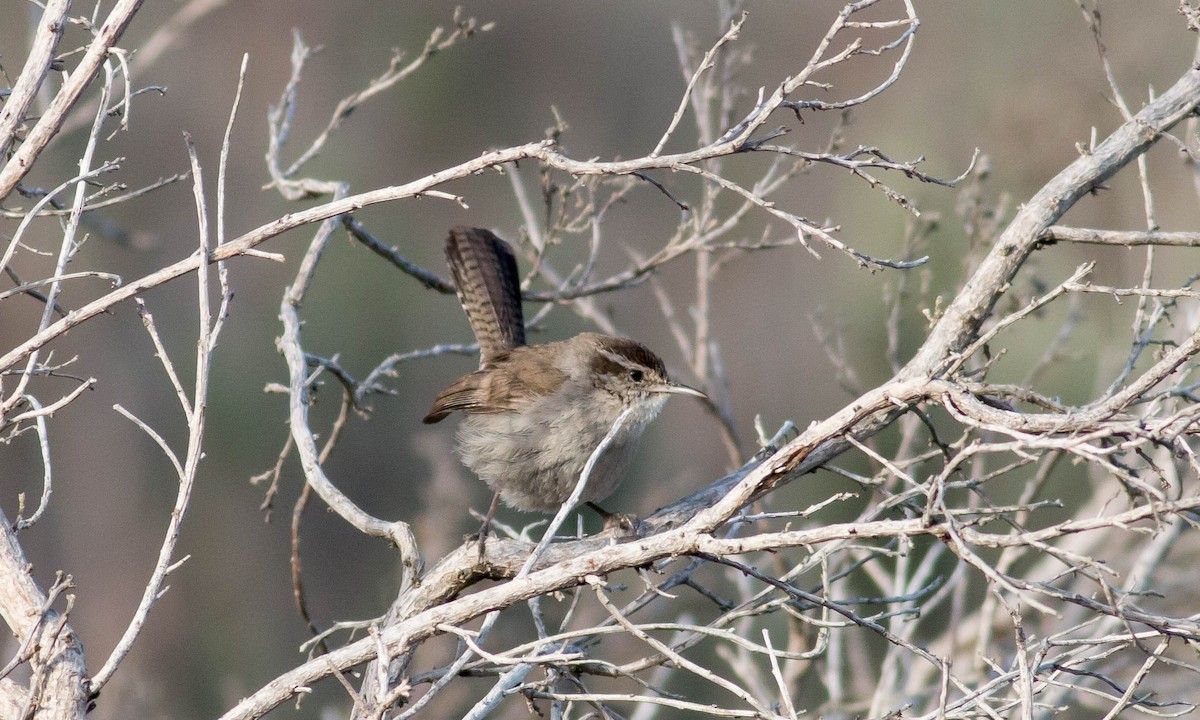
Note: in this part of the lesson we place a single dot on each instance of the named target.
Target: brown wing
(466, 395)
(485, 275)
(522, 373)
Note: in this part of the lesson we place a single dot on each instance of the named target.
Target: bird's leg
(614, 520)
(487, 523)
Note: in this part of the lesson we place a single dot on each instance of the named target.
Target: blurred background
(1020, 80)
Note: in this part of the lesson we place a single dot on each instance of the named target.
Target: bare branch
(37, 67)
(49, 124)
(1128, 238)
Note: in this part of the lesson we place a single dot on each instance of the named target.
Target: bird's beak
(677, 389)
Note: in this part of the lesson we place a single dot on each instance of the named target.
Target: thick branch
(48, 125)
(962, 319)
(1126, 238)
(37, 66)
(59, 670)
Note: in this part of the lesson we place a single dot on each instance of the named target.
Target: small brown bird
(536, 413)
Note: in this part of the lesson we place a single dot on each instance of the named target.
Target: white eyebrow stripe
(620, 359)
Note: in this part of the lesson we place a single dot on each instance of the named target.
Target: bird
(534, 414)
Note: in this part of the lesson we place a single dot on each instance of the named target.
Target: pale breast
(534, 458)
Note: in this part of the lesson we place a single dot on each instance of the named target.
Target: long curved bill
(677, 389)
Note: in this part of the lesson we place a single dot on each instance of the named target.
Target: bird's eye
(636, 375)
